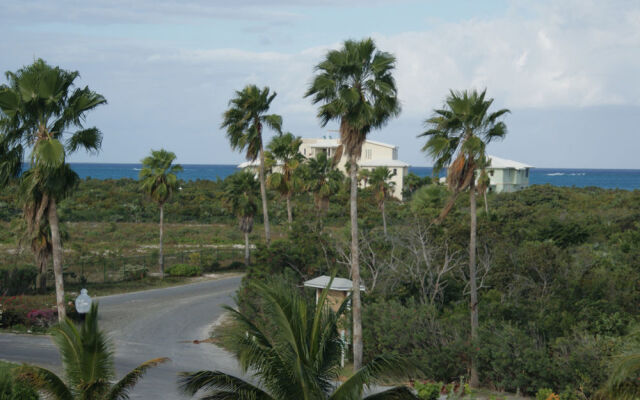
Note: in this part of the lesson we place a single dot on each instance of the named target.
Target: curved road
(145, 325)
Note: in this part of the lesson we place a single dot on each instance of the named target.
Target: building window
(491, 173)
(395, 171)
(526, 172)
(367, 154)
(304, 151)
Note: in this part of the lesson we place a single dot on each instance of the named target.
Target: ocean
(627, 179)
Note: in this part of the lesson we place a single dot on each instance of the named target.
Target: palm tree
(355, 86)
(241, 198)
(379, 181)
(38, 109)
(294, 351)
(458, 135)
(244, 121)
(284, 152)
(322, 179)
(158, 178)
(87, 359)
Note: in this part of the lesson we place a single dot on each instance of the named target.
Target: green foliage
(544, 394)
(158, 176)
(293, 349)
(12, 389)
(428, 390)
(184, 270)
(17, 280)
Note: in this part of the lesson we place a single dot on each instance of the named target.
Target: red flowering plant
(16, 310)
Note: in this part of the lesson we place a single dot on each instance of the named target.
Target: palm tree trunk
(486, 205)
(474, 381)
(263, 192)
(355, 270)
(247, 254)
(289, 210)
(161, 256)
(384, 220)
(41, 279)
(56, 243)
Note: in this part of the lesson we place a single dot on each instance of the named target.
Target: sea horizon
(606, 178)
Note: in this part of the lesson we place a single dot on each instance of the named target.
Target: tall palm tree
(323, 179)
(355, 86)
(284, 153)
(41, 110)
(158, 178)
(294, 352)
(244, 121)
(87, 359)
(379, 180)
(458, 135)
(241, 198)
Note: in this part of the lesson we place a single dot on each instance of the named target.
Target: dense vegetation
(559, 286)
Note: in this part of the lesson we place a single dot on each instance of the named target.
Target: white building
(374, 154)
(507, 175)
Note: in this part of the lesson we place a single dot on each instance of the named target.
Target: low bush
(428, 390)
(15, 310)
(236, 265)
(12, 388)
(42, 318)
(184, 270)
(17, 280)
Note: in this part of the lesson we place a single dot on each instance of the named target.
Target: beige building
(374, 154)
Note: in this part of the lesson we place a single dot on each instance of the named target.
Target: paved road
(145, 325)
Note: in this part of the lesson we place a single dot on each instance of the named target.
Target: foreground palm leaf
(41, 110)
(158, 178)
(293, 351)
(355, 86)
(87, 359)
(458, 135)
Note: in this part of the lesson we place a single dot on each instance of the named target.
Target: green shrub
(185, 270)
(428, 390)
(236, 265)
(544, 394)
(11, 388)
(17, 280)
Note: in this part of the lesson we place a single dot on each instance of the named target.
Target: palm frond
(44, 381)
(120, 391)
(219, 385)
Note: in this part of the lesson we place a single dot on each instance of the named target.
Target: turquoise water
(628, 179)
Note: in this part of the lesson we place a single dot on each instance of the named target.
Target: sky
(567, 70)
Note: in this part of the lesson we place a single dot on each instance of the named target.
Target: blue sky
(566, 69)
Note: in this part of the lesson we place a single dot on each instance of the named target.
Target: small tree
(241, 198)
(87, 360)
(158, 178)
(285, 155)
(322, 179)
(379, 180)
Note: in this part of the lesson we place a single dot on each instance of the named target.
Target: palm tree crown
(322, 179)
(294, 352)
(379, 180)
(158, 175)
(241, 198)
(356, 87)
(459, 133)
(244, 121)
(87, 358)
